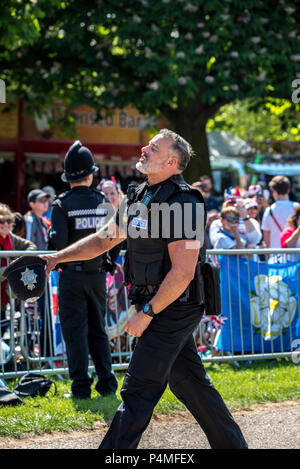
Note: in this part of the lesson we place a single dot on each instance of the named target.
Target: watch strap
(149, 310)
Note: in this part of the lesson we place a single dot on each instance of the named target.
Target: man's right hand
(51, 262)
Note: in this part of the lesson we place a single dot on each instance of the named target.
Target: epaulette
(180, 182)
(185, 187)
(63, 195)
(59, 197)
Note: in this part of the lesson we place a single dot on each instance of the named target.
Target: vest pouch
(197, 285)
(126, 269)
(211, 275)
(147, 267)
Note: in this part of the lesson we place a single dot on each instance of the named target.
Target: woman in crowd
(290, 236)
(9, 242)
(116, 310)
(253, 209)
(112, 192)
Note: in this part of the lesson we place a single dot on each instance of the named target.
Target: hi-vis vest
(147, 259)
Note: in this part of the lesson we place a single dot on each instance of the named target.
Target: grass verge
(240, 387)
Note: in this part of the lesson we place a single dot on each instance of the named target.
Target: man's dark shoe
(108, 393)
(106, 389)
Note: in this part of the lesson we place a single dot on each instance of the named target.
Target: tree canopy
(183, 59)
(275, 119)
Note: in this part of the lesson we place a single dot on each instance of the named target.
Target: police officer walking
(76, 214)
(162, 267)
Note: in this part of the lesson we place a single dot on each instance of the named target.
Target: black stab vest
(147, 259)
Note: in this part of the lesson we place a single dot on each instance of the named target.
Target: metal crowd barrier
(259, 320)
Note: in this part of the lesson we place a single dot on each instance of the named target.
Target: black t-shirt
(181, 217)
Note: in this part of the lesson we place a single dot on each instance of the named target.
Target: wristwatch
(147, 309)
(246, 218)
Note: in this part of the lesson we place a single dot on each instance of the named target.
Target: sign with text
(122, 126)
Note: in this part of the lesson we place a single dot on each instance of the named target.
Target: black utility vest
(147, 259)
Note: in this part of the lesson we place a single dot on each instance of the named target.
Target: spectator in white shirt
(235, 229)
(276, 216)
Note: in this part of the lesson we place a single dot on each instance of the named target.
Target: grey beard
(142, 168)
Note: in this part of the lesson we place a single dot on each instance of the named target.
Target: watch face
(146, 308)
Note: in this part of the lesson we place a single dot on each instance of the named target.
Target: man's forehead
(159, 140)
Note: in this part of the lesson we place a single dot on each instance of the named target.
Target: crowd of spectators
(252, 218)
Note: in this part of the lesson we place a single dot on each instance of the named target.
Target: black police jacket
(76, 214)
(147, 259)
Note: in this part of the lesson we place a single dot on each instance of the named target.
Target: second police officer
(76, 214)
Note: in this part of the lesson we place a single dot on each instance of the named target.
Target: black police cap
(26, 277)
(79, 163)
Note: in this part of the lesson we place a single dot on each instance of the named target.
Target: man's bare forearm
(87, 248)
(91, 246)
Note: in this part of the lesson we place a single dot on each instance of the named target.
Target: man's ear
(172, 162)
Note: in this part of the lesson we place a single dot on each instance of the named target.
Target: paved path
(269, 426)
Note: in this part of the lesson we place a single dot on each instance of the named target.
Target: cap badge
(28, 277)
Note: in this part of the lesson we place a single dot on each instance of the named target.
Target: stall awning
(276, 169)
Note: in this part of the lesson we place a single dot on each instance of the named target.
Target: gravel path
(268, 426)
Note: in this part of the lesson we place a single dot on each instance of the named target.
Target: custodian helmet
(78, 164)
(26, 277)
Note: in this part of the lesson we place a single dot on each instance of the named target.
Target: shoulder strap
(64, 194)
(134, 190)
(275, 220)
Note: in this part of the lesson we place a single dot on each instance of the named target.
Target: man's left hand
(137, 324)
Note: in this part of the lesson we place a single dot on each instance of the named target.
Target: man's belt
(82, 268)
(140, 295)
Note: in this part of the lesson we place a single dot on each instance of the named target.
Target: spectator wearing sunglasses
(9, 242)
(235, 229)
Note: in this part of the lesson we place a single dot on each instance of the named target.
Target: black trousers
(46, 344)
(166, 354)
(82, 306)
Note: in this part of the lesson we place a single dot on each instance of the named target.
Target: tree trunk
(190, 123)
(194, 132)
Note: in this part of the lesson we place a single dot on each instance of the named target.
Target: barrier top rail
(24, 253)
(241, 252)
